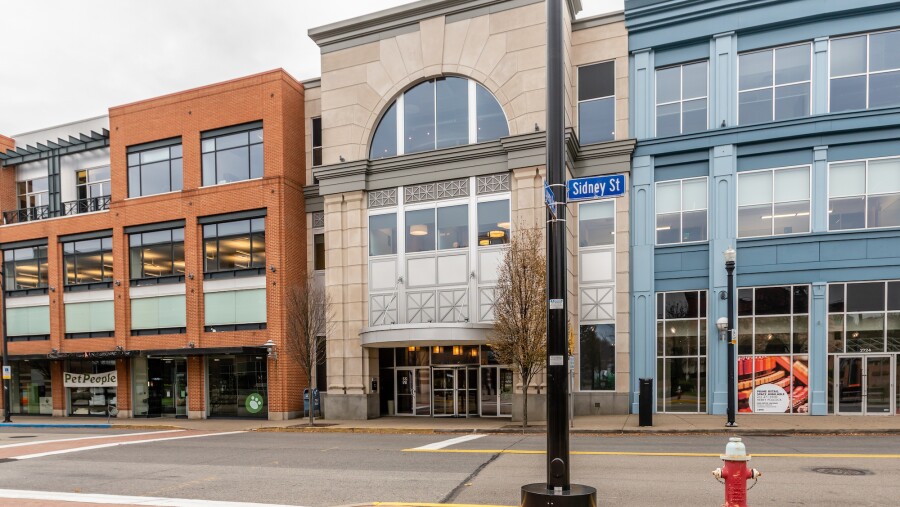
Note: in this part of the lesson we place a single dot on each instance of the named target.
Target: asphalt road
(324, 469)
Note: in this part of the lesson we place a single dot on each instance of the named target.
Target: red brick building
(157, 243)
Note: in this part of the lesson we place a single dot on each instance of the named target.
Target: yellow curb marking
(659, 454)
(420, 504)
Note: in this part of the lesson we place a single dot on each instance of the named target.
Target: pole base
(537, 495)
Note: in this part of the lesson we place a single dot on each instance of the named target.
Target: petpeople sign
(107, 379)
(595, 187)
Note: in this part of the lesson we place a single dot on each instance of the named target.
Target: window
(596, 223)
(88, 261)
(681, 351)
(235, 246)
(598, 357)
(435, 114)
(681, 99)
(865, 71)
(318, 252)
(597, 102)
(451, 224)
(681, 211)
(864, 317)
(774, 84)
(383, 234)
(92, 183)
(317, 141)
(493, 223)
(33, 193)
(157, 255)
(864, 194)
(155, 171)
(773, 348)
(25, 268)
(231, 157)
(773, 202)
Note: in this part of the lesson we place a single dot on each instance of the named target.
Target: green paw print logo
(254, 403)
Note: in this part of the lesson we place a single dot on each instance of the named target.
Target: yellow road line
(420, 504)
(658, 454)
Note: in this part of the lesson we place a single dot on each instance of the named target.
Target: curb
(51, 425)
(599, 432)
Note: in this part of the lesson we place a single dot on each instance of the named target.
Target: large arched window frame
(430, 116)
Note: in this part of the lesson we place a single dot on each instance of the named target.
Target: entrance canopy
(425, 335)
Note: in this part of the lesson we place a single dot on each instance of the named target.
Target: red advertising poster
(773, 384)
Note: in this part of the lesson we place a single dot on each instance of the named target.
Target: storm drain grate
(841, 471)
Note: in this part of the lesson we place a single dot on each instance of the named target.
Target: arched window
(440, 113)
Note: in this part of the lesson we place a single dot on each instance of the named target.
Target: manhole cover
(841, 471)
(22, 436)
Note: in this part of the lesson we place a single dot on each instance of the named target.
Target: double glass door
(865, 385)
(455, 392)
(413, 391)
(167, 383)
(496, 391)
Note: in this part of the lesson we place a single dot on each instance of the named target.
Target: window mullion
(401, 110)
(473, 113)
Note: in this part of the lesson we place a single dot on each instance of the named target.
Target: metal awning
(206, 351)
(29, 153)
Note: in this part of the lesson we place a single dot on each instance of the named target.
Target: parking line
(75, 439)
(658, 454)
(447, 443)
(115, 444)
(123, 500)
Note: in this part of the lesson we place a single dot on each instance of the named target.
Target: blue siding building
(772, 127)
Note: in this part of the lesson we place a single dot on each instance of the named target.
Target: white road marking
(115, 444)
(41, 442)
(447, 443)
(124, 500)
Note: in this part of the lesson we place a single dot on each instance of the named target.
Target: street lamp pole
(730, 260)
(6, 397)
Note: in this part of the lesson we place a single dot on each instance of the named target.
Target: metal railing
(88, 205)
(18, 216)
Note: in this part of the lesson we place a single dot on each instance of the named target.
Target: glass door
(879, 387)
(444, 392)
(506, 383)
(422, 391)
(404, 401)
(466, 392)
(180, 387)
(848, 385)
(489, 391)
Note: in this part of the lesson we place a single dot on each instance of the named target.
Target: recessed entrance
(864, 384)
(167, 387)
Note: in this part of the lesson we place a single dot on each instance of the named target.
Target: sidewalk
(600, 424)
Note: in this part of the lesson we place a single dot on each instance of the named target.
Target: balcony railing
(18, 216)
(88, 205)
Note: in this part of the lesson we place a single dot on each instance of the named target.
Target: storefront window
(30, 388)
(90, 399)
(238, 386)
(681, 351)
(598, 357)
(773, 348)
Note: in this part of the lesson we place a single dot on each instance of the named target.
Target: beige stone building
(426, 148)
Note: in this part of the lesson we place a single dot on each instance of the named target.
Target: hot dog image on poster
(773, 384)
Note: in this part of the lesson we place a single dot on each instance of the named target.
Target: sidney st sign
(595, 187)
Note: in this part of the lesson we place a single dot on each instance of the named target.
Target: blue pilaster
(819, 198)
(820, 76)
(642, 96)
(818, 351)
(722, 234)
(723, 66)
(643, 312)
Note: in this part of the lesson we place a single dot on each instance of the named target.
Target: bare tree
(309, 317)
(519, 337)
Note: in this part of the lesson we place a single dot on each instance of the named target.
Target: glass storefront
(160, 387)
(681, 351)
(30, 388)
(238, 386)
(90, 400)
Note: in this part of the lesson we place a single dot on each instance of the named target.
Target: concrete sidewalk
(600, 424)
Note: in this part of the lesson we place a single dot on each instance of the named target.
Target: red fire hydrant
(735, 473)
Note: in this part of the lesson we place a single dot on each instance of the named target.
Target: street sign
(550, 199)
(595, 187)
(7, 372)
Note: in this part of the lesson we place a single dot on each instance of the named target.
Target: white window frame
(680, 211)
(868, 73)
(579, 102)
(87, 171)
(44, 194)
(773, 170)
(774, 86)
(866, 194)
(681, 99)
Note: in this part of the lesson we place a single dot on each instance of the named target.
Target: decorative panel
(453, 305)
(382, 274)
(383, 309)
(486, 299)
(434, 191)
(452, 269)
(420, 307)
(420, 272)
(383, 198)
(318, 219)
(419, 193)
(29, 320)
(597, 304)
(596, 266)
(492, 184)
(452, 189)
(488, 265)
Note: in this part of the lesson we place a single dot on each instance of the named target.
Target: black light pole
(557, 491)
(730, 259)
(6, 381)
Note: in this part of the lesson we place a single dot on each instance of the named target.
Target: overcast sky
(67, 61)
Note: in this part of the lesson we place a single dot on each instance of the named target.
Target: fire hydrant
(735, 473)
